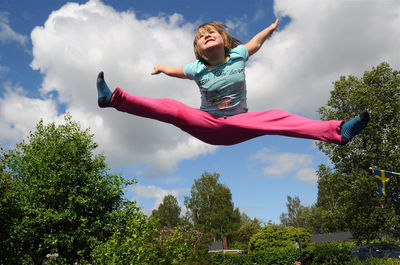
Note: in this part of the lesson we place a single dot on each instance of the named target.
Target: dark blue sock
(103, 92)
(355, 126)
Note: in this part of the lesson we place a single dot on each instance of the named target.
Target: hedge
(314, 254)
(282, 256)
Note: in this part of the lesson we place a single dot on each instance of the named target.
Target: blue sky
(51, 51)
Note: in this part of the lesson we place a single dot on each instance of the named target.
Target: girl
(223, 118)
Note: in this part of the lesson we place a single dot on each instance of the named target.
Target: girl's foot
(352, 128)
(104, 93)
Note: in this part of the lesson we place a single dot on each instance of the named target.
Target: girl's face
(209, 38)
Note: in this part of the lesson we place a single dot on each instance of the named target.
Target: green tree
(9, 212)
(134, 240)
(168, 212)
(330, 203)
(65, 194)
(248, 230)
(295, 209)
(278, 236)
(182, 245)
(378, 91)
(210, 207)
(312, 219)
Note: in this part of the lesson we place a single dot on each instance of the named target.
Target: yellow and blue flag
(382, 178)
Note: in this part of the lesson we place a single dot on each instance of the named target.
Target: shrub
(278, 256)
(332, 253)
(277, 236)
(183, 245)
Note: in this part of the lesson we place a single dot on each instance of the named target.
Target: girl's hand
(157, 70)
(169, 70)
(275, 24)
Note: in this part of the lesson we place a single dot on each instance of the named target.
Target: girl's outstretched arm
(169, 70)
(258, 40)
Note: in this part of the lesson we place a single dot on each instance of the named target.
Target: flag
(382, 178)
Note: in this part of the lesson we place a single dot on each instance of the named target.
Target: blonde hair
(229, 41)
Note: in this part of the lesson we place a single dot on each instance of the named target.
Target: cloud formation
(280, 164)
(78, 41)
(7, 34)
(323, 41)
(153, 192)
(293, 71)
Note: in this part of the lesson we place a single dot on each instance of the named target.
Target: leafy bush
(231, 259)
(183, 245)
(57, 196)
(374, 261)
(332, 253)
(131, 242)
(277, 236)
(279, 256)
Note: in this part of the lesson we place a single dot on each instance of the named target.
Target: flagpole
(393, 173)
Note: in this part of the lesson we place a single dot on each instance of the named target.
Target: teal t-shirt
(222, 88)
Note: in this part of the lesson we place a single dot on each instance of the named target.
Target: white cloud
(324, 40)
(19, 114)
(281, 164)
(7, 33)
(153, 192)
(78, 41)
(307, 175)
(293, 71)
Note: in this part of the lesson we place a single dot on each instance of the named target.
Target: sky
(52, 50)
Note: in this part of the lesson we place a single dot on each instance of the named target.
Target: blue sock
(355, 126)
(103, 92)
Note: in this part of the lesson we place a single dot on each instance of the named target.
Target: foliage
(332, 253)
(278, 236)
(246, 232)
(9, 211)
(311, 217)
(210, 207)
(64, 194)
(278, 256)
(329, 203)
(168, 212)
(132, 241)
(183, 245)
(378, 91)
(375, 261)
(367, 214)
(137, 240)
(295, 209)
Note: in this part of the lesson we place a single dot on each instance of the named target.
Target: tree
(65, 194)
(379, 144)
(278, 236)
(330, 203)
(210, 207)
(133, 240)
(294, 209)
(182, 245)
(9, 211)
(312, 219)
(168, 212)
(248, 230)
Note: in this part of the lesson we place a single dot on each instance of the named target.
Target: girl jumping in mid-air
(223, 118)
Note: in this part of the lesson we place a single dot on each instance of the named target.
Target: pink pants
(226, 130)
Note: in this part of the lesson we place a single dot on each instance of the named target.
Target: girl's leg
(279, 122)
(198, 123)
(161, 109)
(245, 126)
(234, 129)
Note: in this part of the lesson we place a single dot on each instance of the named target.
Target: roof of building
(331, 237)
